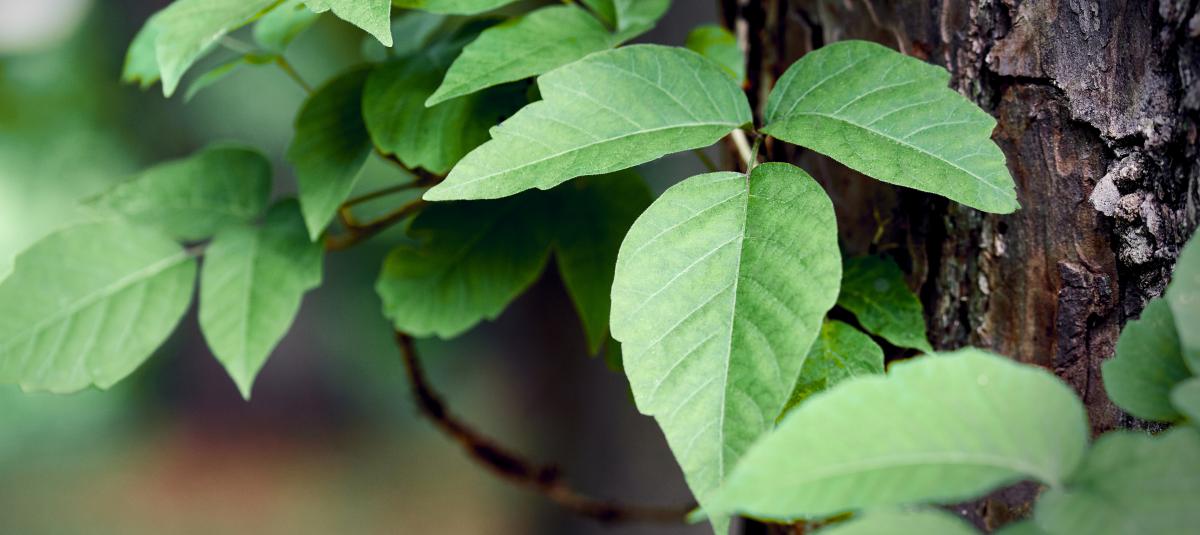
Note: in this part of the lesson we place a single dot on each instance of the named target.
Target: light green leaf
(632, 17)
(432, 138)
(186, 29)
(1184, 296)
(716, 43)
(720, 289)
(1148, 365)
(141, 60)
(330, 148)
(453, 7)
(939, 428)
(839, 353)
(609, 111)
(594, 215)
(604, 10)
(1023, 527)
(892, 117)
(223, 71)
(1186, 398)
(874, 290)
(250, 289)
(1130, 483)
(523, 47)
(192, 198)
(413, 30)
(914, 522)
(277, 29)
(373, 16)
(88, 304)
(472, 260)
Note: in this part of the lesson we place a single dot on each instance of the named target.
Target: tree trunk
(1097, 103)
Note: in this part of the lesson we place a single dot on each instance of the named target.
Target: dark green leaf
(839, 353)
(1186, 399)
(874, 290)
(914, 522)
(192, 198)
(330, 148)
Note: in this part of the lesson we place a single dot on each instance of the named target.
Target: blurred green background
(331, 442)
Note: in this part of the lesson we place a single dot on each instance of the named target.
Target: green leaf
(874, 290)
(892, 117)
(1184, 296)
(632, 17)
(432, 138)
(88, 304)
(523, 47)
(839, 353)
(939, 428)
(609, 111)
(472, 260)
(330, 148)
(250, 289)
(595, 213)
(914, 522)
(720, 290)
(1023, 527)
(414, 30)
(604, 10)
(192, 198)
(141, 60)
(453, 7)
(277, 29)
(1186, 399)
(1130, 483)
(1148, 365)
(716, 43)
(216, 75)
(373, 16)
(185, 30)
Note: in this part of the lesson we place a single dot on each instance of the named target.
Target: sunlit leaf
(453, 7)
(717, 44)
(250, 289)
(874, 290)
(1129, 483)
(1148, 365)
(277, 29)
(939, 428)
(632, 17)
(839, 353)
(891, 117)
(609, 111)
(720, 289)
(914, 522)
(192, 198)
(330, 148)
(524, 47)
(88, 304)
(373, 16)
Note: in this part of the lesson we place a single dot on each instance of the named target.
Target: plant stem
(287, 68)
(547, 480)
(704, 159)
(743, 147)
(358, 233)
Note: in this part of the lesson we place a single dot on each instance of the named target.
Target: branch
(544, 479)
(357, 233)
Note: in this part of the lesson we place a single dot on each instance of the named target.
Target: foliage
(721, 292)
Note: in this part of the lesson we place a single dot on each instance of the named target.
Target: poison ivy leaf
(892, 117)
(414, 30)
(595, 213)
(184, 31)
(472, 260)
(523, 47)
(1186, 399)
(839, 353)
(141, 60)
(604, 10)
(222, 72)
(609, 111)
(1148, 365)
(915, 522)
(1129, 483)
(453, 7)
(632, 17)
(1024, 527)
(719, 292)
(277, 29)
(373, 16)
(873, 289)
(1184, 296)
(940, 428)
(432, 138)
(251, 286)
(88, 304)
(192, 198)
(717, 44)
(330, 148)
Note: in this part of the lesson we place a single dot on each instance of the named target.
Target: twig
(544, 479)
(287, 68)
(704, 159)
(358, 233)
(743, 147)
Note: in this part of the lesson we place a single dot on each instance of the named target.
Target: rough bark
(1097, 103)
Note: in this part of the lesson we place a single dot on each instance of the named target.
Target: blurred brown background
(331, 442)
